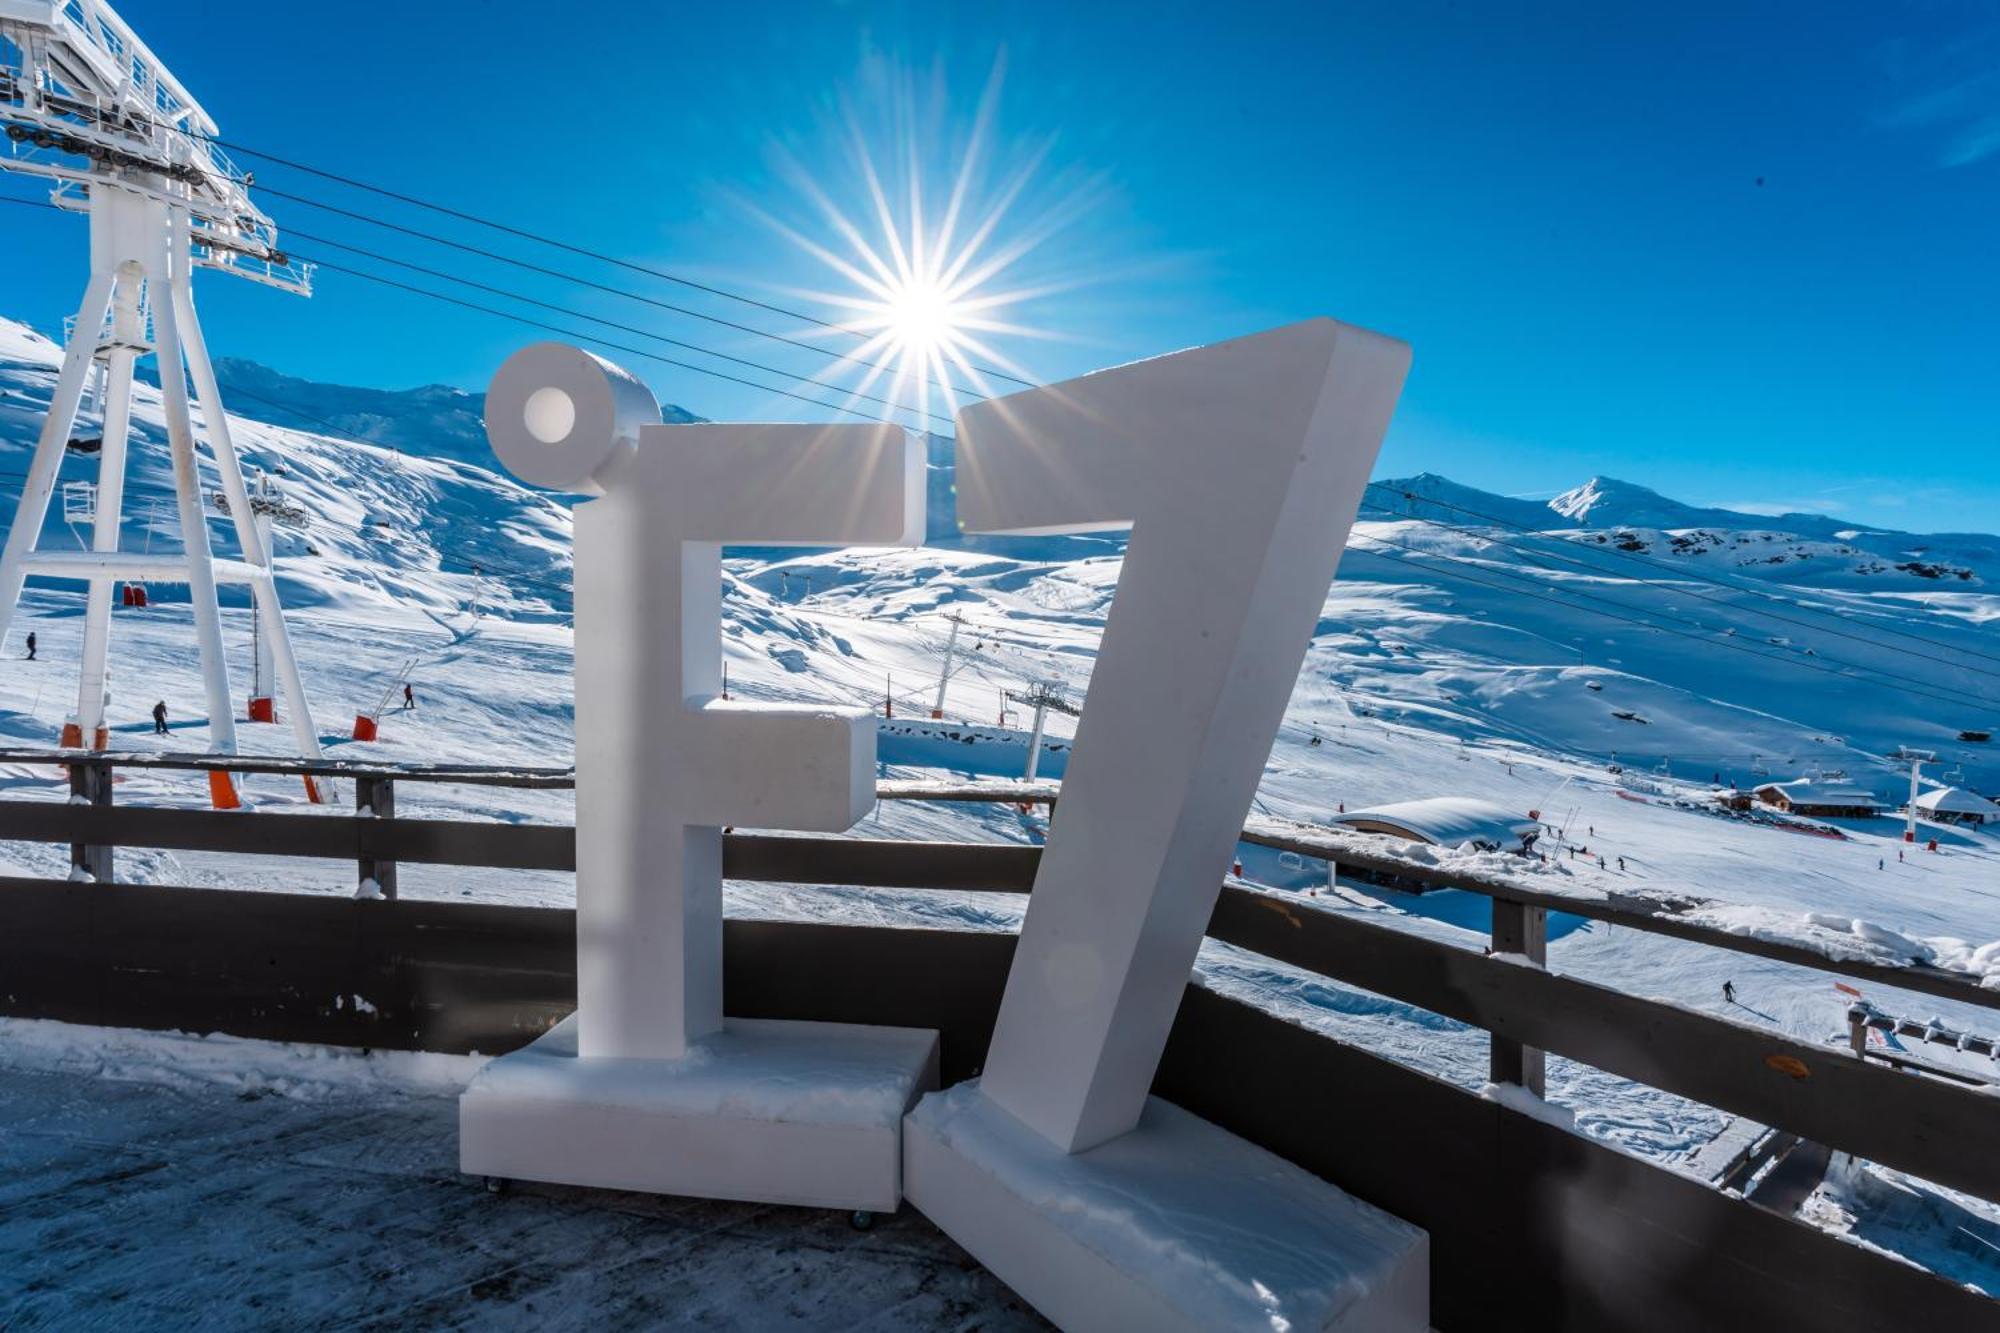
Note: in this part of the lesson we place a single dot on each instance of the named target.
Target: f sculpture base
(766, 1111)
(1175, 1225)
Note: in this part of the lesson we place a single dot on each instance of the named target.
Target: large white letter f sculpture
(1239, 468)
(648, 1086)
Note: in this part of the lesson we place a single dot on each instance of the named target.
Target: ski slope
(1600, 659)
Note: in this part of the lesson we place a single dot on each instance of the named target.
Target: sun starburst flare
(931, 292)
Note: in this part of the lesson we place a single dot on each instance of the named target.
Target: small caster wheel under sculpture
(861, 1220)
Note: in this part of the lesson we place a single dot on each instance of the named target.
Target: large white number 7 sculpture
(1239, 467)
(647, 1086)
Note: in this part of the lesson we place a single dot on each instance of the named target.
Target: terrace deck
(145, 1194)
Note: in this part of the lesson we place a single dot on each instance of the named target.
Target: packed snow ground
(223, 1185)
(1454, 656)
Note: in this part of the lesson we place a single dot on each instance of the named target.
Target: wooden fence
(1532, 1225)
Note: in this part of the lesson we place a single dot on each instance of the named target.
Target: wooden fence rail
(1532, 1226)
(1935, 1129)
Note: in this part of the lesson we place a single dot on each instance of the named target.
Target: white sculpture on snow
(647, 1086)
(1239, 467)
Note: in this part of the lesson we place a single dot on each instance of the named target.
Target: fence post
(1518, 928)
(91, 782)
(377, 797)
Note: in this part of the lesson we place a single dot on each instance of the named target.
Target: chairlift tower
(956, 621)
(1044, 696)
(1916, 760)
(86, 105)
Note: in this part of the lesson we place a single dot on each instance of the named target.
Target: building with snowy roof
(1955, 805)
(1823, 798)
(1449, 821)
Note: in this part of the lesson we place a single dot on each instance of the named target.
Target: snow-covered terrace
(161, 1181)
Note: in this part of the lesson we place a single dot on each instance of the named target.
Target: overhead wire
(607, 343)
(464, 215)
(543, 270)
(598, 319)
(599, 341)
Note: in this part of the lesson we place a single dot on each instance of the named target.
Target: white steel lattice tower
(88, 106)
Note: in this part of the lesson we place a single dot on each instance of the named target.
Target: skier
(1879, 864)
(1600, 862)
(1899, 855)
(409, 698)
(160, 718)
(1621, 864)
(1729, 992)
(31, 645)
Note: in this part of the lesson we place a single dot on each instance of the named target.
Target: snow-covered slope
(1599, 660)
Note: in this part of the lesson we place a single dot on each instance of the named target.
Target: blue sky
(1741, 253)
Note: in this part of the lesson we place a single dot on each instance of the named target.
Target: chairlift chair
(79, 503)
(133, 592)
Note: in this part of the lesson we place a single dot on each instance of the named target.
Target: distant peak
(1579, 502)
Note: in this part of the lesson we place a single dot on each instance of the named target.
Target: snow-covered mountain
(1598, 659)
(1611, 621)
(434, 420)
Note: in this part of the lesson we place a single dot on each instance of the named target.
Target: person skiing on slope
(1729, 992)
(31, 645)
(409, 697)
(160, 718)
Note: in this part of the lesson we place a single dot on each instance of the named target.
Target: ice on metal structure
(663, 763)
(88, 106)
(1239, 468)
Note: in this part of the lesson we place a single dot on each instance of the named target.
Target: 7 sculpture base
(765, 1111)
(1176, 1225)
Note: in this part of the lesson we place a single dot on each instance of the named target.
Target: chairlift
(133, 592)
(79, 509)
(79, 503)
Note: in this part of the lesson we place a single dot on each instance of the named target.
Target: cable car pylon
(88, 106)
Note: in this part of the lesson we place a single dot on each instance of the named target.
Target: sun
(927, 249)
(921, 316)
